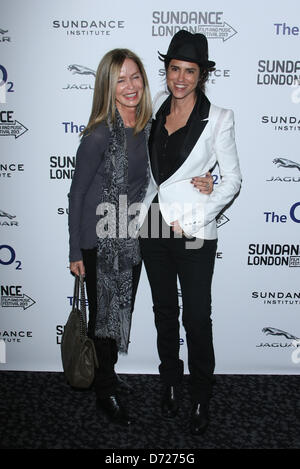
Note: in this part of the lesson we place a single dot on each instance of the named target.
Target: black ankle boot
(170, 402)
(123, 385)
(199, 419)
(114, 410)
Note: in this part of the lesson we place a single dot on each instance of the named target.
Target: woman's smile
(182, 78)
(130, 85)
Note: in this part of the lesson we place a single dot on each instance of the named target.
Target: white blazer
(178, 199)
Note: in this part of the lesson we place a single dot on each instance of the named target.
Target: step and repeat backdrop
(49, 52)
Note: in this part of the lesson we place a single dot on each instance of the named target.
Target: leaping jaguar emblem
(274, 331)
(81, 70)
(4, 214)
(284, 163)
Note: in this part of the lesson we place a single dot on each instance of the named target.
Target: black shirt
(168, 151)
(168, 147)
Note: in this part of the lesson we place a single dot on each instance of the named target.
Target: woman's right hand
(77, 268)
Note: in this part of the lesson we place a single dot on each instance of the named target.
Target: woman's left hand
(204, 184)
(176, 227)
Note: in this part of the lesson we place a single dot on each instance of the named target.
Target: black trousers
(165, 261)
(106, 349)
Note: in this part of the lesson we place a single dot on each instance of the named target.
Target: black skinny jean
(106, 349)
(166, 260)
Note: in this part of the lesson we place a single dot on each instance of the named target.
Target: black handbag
(78, 352)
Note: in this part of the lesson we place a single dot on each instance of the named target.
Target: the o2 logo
(293, 214)
(5, 85)
(273, 217)
(8, 257)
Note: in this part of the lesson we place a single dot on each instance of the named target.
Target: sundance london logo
(12, 297)
(278, 72)
(274, 255)
(210, 23)
(9, 126)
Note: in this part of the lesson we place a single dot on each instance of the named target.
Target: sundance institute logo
(82, 27)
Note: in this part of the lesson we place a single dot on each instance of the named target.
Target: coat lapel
(198, 121)
(154, 137)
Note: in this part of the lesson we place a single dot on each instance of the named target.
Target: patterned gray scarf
(117, 255)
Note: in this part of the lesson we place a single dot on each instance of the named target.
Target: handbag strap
(83, 317)
(76, 294)
(79, 298)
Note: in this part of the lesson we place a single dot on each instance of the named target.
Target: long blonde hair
(107, 75)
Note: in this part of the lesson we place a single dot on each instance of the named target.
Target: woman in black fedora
(189, 136)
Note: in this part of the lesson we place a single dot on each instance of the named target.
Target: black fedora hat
(190, 48)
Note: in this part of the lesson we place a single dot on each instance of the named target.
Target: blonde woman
(111, 162)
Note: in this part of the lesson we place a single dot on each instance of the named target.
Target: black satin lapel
(154, 136)
(152, 148)
(195, 130)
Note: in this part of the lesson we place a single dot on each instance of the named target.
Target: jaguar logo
(284, 163)
(7, 215)
(274, 331)
(81, 70)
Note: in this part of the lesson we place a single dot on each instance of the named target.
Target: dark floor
(38, 410)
